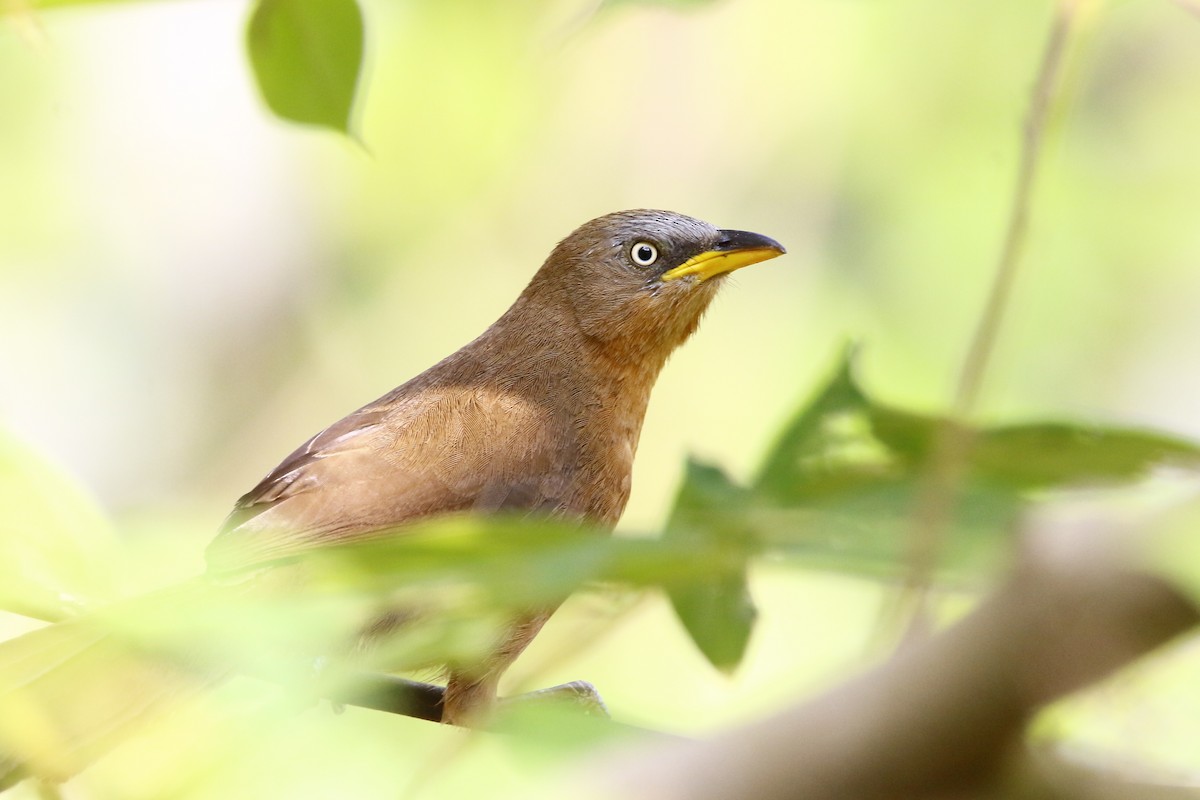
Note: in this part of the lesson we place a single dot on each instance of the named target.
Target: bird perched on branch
(542, 413)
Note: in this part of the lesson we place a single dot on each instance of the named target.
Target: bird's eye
(643, 254)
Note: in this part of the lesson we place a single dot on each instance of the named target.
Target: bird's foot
(580, 694)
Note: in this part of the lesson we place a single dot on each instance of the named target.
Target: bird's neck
(592, 392)
(541, 342)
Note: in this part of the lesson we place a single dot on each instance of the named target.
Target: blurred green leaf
(828, 446)
(545, 732)
(1172, 551)
(307, 55)
(1041, 455)
(865, 531)
(842, 439)
(667, 3)
(1051, 454)
(47, 4)
(53, 538)
(718, 613)
(838, 488)
(836, 491)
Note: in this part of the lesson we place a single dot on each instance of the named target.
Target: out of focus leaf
(719, 616)
(710, 514)
(1046, 455)
(307, 55)
(53, 538)
(866, 531)
(545, 732)
(843, 439)
(666, 3)
(1172, 551)
(463, 578)
(1040, 455)
(41, 4)
(829, 434)
(514, 561)
(838, 488)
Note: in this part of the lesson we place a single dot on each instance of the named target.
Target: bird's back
(442, 443)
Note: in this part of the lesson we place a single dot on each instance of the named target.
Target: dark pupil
(645, 253)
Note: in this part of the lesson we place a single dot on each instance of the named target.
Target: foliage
(837, 492)
(307, 55)
(51, 532)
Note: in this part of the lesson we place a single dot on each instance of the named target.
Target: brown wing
(281, 482)
(394, 461)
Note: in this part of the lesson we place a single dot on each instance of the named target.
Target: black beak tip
(745, 240)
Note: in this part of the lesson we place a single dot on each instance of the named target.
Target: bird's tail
(71, 691)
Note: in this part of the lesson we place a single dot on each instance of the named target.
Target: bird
(540, 414)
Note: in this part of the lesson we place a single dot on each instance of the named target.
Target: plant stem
(948, 462)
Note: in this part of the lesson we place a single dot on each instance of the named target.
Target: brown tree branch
(393, 695)
(945, 717)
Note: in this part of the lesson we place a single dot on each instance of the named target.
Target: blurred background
(190, 287)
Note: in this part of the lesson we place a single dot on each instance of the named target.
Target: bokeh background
(189, 287)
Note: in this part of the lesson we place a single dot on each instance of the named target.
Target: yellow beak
(734, 250)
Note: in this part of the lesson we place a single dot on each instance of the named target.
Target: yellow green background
(190, 287)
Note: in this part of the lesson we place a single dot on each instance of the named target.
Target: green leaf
(719, 616)
(710, 515)
(1051, 454)
(48, 4)
(53, 538)
(469, 576)
(1040, 455)
(307, 55)
(865, 531)
(839, 487)
(686, 4)
(829, 447)
(1172, 550)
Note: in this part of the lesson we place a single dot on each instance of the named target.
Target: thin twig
(952, 446)
(983, 343)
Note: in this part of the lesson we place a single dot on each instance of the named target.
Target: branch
(945, 716)
(393, 695)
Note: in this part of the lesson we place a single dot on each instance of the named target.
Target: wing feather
(395, 461)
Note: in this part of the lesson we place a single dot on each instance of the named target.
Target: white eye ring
(643, 254)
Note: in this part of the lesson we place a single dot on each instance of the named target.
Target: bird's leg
(469, 700)
(411, 698)
(471, 691)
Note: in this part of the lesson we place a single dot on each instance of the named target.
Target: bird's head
(642, 279)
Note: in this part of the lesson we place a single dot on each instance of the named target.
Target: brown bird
(541, 413)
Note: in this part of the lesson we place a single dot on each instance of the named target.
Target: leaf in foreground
(307, 56)
(718, 613)
(53, 537)
(838, 488)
